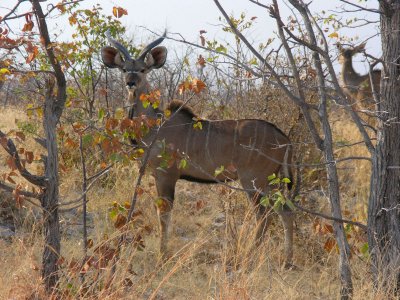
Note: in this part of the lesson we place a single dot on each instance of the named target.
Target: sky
(188, 17)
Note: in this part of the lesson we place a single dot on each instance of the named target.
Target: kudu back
(250, 150)
(357, 87)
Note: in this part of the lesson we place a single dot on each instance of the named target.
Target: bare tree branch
(11, 149)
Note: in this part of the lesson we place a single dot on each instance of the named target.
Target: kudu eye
(142, 70)
(124, 70)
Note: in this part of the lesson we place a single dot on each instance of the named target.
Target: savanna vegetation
(78, 203)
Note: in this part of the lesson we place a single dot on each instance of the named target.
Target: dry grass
(212, 253)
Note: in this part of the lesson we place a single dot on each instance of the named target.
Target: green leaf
(219, 170)
(113, 214)
(253, 61)
(275, 181)
(87, 139)
(102, 113)
(290, 204)
(145, 103)
(221, 48)
(277, 205)
(270, 177)
(365, 249)
(198, 125)
(119, 113)
(264, 201)
(183, 164)
(286, 180)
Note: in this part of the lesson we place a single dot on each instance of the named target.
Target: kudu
(250, 149)
(357, 87)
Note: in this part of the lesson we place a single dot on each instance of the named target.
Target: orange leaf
(3, 142)
(120, 222)
(125, 123)
(326, 228)
(201, 61)
(198, 85)
(29, 156)
(111, 123)
(9, 178)
(106, 146)
(139, 191)
(118, 12)
(74, 266)
(329, 244)
(72, 20)
(31, 57)
(28, 26)
(11, 163)
(20, 135)
(60, 7)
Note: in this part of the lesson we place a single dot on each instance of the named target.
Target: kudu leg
(262, 216)
(164, 206)
(263, 221)
(287, 217)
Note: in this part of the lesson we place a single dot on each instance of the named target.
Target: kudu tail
(287, 166)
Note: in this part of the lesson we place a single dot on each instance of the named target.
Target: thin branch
(377, 11)
(11, 149)
(355, 223)
(6, 17)
(94, 178)
(11, 189)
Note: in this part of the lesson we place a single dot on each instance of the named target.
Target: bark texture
(384, 202)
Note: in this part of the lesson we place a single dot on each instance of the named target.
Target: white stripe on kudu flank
(235, 134)
(208, 144)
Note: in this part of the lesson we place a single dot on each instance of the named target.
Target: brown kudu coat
(250, 150)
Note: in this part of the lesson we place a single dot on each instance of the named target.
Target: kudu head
(135, 70)
(345, 54)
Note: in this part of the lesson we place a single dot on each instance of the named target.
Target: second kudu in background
(358, 87)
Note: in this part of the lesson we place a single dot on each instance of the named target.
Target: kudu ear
(340, 47)
(111, 57)
(156, 58)
(360, 47)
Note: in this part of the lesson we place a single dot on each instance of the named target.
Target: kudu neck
(137, 107)
(348, 70)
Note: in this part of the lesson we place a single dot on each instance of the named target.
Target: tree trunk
(384, 201)
(51, 251)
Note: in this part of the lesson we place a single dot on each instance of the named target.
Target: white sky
(187, 17)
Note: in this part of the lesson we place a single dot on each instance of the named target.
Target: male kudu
(250, 149)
